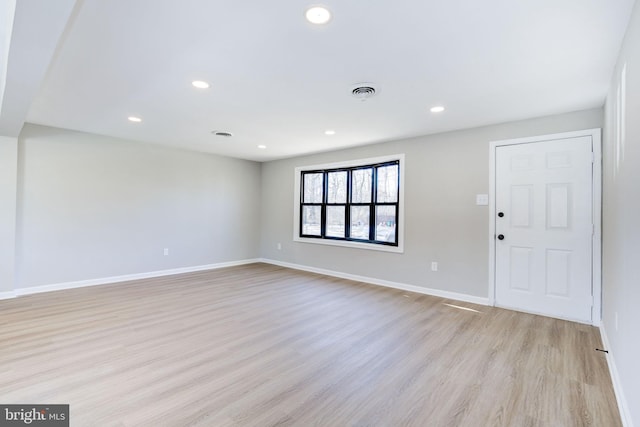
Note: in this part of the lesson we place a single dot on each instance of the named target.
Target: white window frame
(349, 244)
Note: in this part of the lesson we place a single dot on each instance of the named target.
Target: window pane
(312, 188)
(337, 187)
(335, 221)
(361, 185)
(360, 222)
(311, 216)
(386, 224)
(388, 184)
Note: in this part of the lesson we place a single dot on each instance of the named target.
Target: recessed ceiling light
(437, 109)
(134, 119)
(262, 147)
(200, 84)
(329, 132)
(318, 15)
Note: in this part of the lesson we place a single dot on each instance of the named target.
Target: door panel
(521, 199)
(558, 205)
(520, 268)
(543, 262)
(558, 273)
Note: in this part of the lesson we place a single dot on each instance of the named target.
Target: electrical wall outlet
(279, 246)
(434, 266)
(166, 251)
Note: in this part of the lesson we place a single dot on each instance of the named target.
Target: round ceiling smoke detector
(364, 91)
(225, 134)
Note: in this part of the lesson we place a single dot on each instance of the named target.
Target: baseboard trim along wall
(7, 295)
(623, 408)
(379, 282)
(160, 273)
(118, 279)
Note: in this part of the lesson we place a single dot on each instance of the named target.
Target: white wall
(8, 180)
(621, 219)
(443, 174)
(92, 207)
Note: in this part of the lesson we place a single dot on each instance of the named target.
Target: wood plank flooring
(261, 345)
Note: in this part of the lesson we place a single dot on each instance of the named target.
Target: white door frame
(596, 256)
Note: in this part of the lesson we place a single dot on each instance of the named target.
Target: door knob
(500, 214)
(500, 236)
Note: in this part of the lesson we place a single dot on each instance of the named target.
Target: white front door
(544, 227)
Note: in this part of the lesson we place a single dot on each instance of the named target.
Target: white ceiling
(278, 80)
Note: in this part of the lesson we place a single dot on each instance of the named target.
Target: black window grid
(373, 203)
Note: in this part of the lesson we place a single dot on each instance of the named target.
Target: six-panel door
(544, 222)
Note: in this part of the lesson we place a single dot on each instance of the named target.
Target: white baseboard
(615, 379)
(379, 282)
(137, 276)
(7, 295)
(125, 278)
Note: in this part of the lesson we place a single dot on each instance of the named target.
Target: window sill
(350, 244)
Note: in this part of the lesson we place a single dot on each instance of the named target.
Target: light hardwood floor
(260, 345)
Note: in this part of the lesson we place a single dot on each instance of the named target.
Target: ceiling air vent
(225, 134)
(363, 91)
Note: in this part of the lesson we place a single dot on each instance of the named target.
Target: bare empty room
(319, 214)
